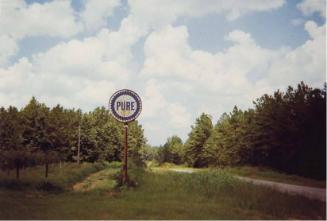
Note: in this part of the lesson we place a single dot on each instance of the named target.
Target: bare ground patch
(103, 179)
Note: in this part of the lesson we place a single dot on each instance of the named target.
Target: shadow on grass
(50, 187)
(60, 180)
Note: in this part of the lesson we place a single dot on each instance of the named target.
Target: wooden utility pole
(79, 143)
(125, 174)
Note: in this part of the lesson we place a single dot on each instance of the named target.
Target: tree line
(285, 131)
(39, 135)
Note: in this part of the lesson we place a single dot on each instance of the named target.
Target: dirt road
(309, 192)
(182, 170)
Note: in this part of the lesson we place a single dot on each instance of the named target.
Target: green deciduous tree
(136, 141)
(13, 153)
(53, 132)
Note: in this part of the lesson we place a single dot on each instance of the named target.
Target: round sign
(125, 105)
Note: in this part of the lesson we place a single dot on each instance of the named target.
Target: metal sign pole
(125, 174)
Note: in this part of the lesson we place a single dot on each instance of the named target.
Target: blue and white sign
(125, 105)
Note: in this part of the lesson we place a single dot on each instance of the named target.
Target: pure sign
(125, 105)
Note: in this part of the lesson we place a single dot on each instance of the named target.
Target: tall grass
(202, 183)
(220, 188)
(163, 195)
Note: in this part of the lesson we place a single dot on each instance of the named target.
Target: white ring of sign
(125, 105)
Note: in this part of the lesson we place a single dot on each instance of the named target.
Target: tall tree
(39, 132)
(136, 140)
(194, 147)
(11, 141)
(173, 150)
(285, 131)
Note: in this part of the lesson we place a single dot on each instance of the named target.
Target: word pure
(125, 105)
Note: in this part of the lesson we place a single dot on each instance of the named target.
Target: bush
(114, 164)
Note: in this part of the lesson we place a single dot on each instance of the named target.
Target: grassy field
(158, 195)
(271, 175)
(61, 177)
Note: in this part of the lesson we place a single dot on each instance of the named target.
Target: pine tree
(285, 131)
(194, 146)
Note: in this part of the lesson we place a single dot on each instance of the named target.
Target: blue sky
(183, 57)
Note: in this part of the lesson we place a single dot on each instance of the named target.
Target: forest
(39, 135)
(285, 131)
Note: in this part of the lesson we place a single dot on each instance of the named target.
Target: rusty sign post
(125, 105)
(125, 174)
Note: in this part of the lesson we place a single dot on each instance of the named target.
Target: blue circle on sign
(125, 105)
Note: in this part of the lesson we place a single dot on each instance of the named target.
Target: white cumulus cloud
(8, 47)
(96, 12)
(162, 12)
(309, 7)
(19, 19)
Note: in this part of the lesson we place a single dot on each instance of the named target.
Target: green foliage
(228, 144)
(136, 141)
(11, 129)
(285, 131)
(38, 135)
(172, 151)
(194, 146)
(12, 152)
(100, 136)
(148, 153)
(114, 165)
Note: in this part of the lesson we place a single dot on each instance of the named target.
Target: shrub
(114, 164)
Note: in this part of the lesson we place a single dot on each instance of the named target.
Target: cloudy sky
(183, 57)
